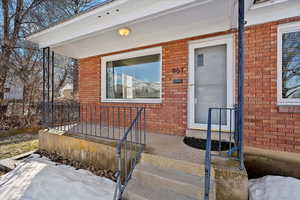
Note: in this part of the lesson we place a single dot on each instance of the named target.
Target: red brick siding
(167, 117)
(171, 115)
(265, 126)
(89, 80)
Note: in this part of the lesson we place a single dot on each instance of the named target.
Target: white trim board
(154, 21)
(229, 41)
(71, 30)
(132, 54)
(270, 12)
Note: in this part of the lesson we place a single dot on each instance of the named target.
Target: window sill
(141, 101)
(289, 108)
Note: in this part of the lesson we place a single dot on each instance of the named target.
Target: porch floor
(173, 147)
(165, 145)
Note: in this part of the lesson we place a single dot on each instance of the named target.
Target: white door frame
(221, 40)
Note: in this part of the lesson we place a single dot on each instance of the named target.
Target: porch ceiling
(151, 21)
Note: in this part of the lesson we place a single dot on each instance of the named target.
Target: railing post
(52, 85)
(241, 79)
(119, 175)
(208, 157)
(44, 88)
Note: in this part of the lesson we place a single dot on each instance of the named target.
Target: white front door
(211, 80)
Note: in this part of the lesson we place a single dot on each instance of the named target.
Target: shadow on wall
(259, 165)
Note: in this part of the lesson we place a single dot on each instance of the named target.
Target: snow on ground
(274, 188)
(41, 179)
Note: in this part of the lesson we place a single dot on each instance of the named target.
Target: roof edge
(86, 13)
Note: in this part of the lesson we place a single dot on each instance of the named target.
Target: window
(260, 1)
(263, 3)
(288, 84)
(132, 77)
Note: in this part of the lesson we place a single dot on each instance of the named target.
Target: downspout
(241, 28)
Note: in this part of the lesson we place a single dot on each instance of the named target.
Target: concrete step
(137, 191)
(196, 169)
(156, 182)
(170, 179)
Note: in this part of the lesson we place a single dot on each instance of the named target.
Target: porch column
(48, 82)
(241, 27)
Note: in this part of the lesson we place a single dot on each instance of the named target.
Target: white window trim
(268, 3)
(230, 59)
(284, 28)
(132, 54)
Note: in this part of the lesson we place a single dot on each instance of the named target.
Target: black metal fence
(123, 124)
(223, 122)
(109, 122)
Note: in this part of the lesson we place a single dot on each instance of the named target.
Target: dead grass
(14, 132)
(10, 150)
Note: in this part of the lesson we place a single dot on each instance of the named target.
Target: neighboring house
(66, 92)
(178, 58)
(14, 89)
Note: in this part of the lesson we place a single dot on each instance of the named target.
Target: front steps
(160, 178)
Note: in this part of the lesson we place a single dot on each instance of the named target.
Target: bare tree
(13, 15)
(64, 9)
(22, 60)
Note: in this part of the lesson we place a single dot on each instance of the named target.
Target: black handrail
(107, 122)
(233, 134)
(129, 150)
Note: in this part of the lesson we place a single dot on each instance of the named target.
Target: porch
(117, 138)
(167, 162)
(121, 94)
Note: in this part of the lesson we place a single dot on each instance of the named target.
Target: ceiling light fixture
(124, 31)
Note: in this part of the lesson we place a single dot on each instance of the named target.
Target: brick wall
(170, 116)
(167, 117)
(267, 125)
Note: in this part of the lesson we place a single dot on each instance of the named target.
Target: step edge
(197, 169)
(141, 171)
(153, 188)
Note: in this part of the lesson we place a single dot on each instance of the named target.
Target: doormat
(201, 144)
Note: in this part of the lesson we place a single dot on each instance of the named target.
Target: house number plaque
(177, 70)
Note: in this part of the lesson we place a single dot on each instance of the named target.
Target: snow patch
(274, 188)
(39, 178)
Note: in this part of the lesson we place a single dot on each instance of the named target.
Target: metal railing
(129, 150)
(123, 124)
(225, 125)
(89, 120)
